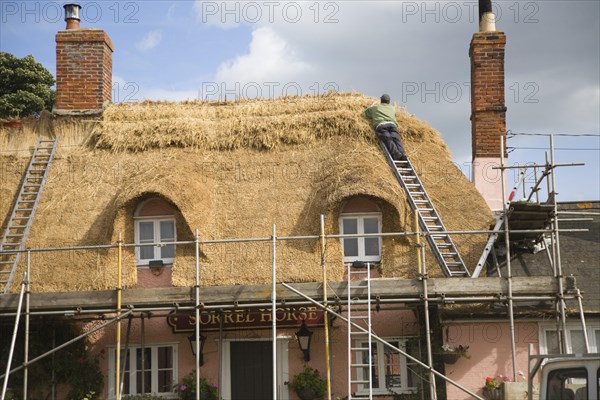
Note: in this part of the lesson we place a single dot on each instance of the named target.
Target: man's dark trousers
(390, 137)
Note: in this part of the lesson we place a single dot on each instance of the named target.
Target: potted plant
(450, 354)
(308, 384)
(493, 387)
(187, 389)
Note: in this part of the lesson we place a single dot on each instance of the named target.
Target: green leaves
(25, 87)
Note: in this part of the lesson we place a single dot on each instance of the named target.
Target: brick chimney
(83, 67)
(488, 110)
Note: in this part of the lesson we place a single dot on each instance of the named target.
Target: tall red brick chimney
(488, 109)
(83, 67)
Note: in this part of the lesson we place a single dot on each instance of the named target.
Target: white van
(573, 378)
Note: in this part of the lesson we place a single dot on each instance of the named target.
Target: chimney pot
(487, 19)
(72, 15)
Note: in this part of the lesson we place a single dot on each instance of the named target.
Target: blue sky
(415, 50)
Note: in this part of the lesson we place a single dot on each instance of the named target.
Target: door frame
(282, 367)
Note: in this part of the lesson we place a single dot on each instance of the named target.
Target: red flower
(488, 379)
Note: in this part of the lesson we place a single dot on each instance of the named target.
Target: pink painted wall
(490, 350)
(385, 323)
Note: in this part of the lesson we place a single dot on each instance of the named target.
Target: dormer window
(155, 223)
(358, 216)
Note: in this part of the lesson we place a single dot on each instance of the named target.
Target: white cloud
(149, 41)
(270, 64)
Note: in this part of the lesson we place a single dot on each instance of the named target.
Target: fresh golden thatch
(231, 170)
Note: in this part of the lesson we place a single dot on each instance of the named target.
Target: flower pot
(306, 394)
(492, 394)
(450, 358)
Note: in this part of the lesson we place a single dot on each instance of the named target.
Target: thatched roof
(231, 170)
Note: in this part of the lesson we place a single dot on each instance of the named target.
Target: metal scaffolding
(199, 306)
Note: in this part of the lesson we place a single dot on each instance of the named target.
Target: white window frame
(360, 217)
(592, 328)
(156, 220)
(133, 368)
(382, 389)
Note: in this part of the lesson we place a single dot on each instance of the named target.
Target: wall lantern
(304, 336)
(192, 339)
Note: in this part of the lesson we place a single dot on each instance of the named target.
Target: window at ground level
(155, 223)
(391, 372)
(361, 248)
(152, 370)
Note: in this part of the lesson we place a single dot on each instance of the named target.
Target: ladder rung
(454, 264)
(6, 262)
(20, 217)
(360, 365)
(359, 348)
(361, 381)
(40, 162)
(14, 235)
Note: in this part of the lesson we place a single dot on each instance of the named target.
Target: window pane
(147, 384)
(165, 372)
(371, 225)
(577, 341)
(413, 370)
(392, 366)
(373, 363)
(371, 246)
(165, 357)
(167, 231)
(597, 349)
(552, 342)
(351, 247)
(146, 232)
(147, 253)
(167, 252)
(126, 388)
(349, 226)
(165, 381)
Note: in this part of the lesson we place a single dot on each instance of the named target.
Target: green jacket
(381, 113)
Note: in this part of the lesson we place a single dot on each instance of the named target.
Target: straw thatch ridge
(231, 170)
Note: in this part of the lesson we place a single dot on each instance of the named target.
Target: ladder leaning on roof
(360, 342)
(441, 243)
(23, 212)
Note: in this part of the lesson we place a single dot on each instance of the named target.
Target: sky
(417, 51)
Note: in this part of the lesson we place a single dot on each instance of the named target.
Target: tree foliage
(72, 368)
(25, 87)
